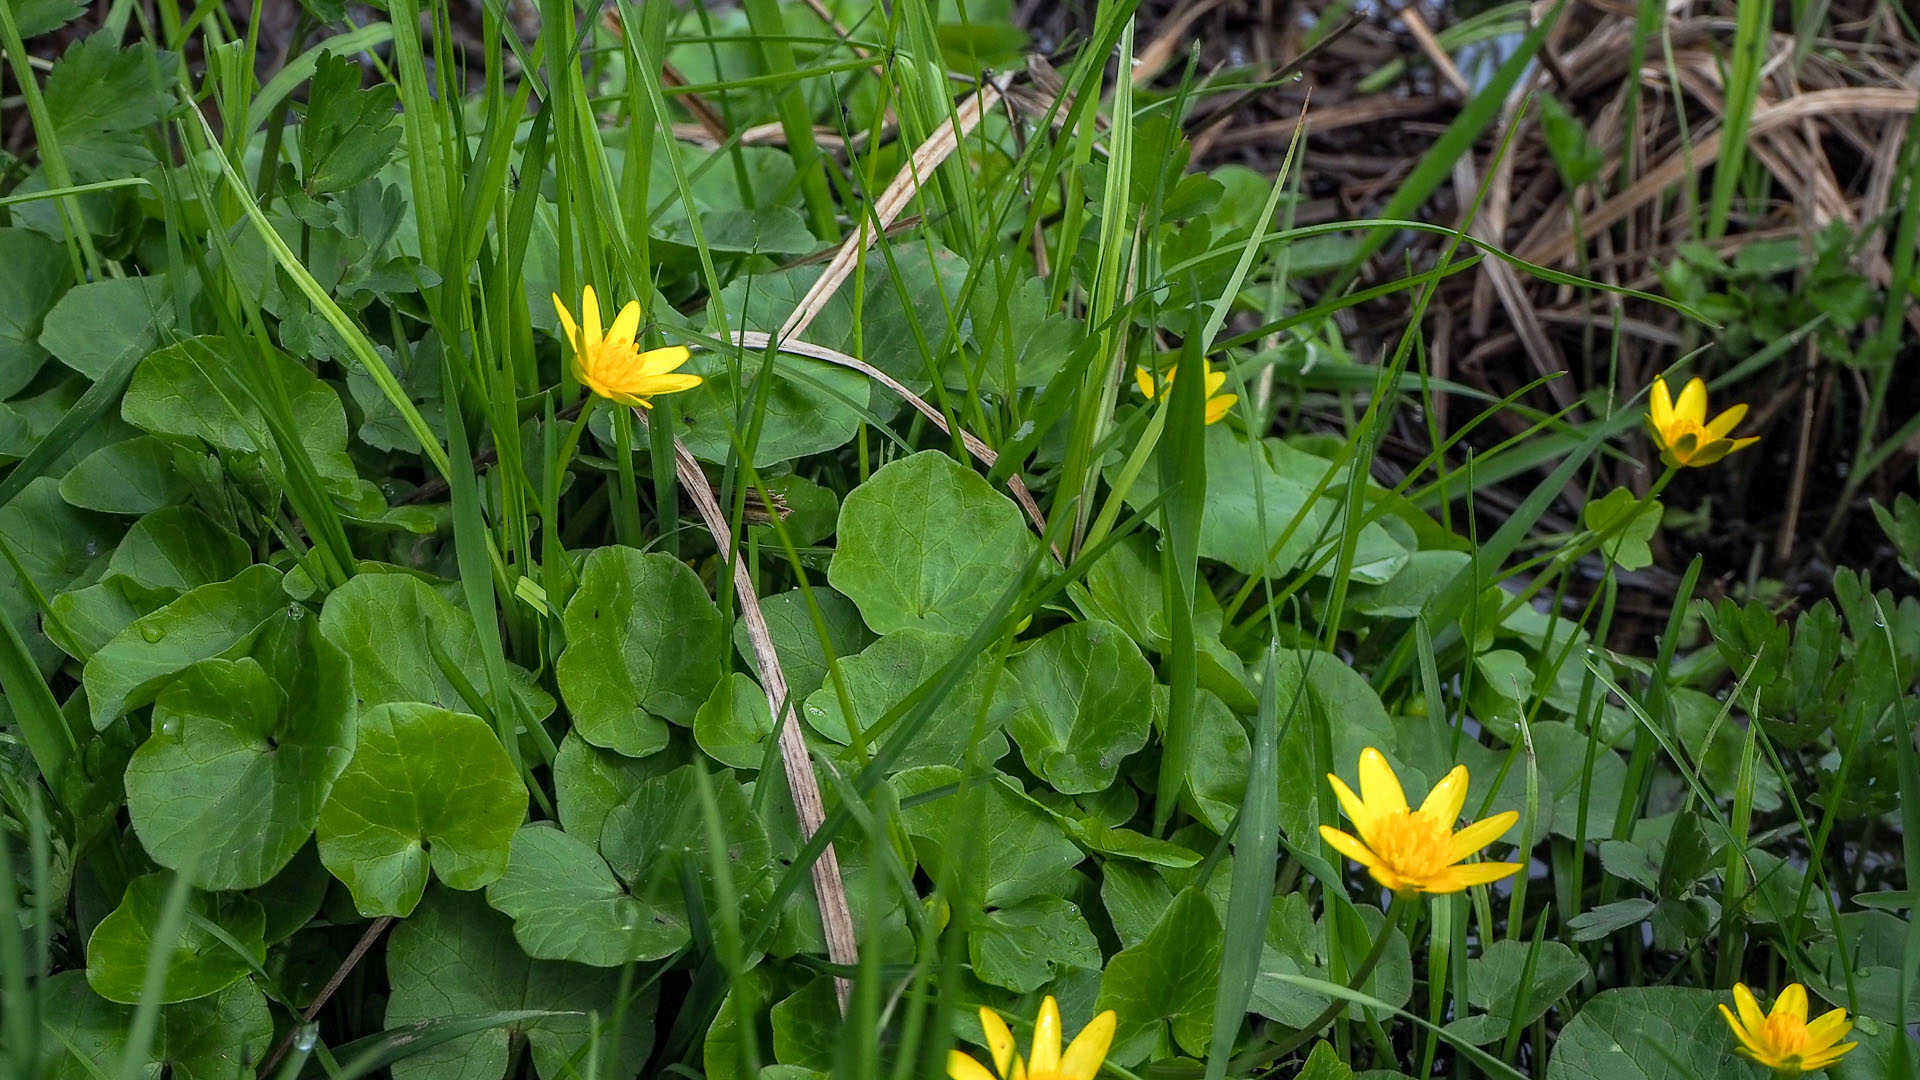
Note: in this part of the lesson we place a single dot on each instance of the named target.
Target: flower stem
(1402, 902)
(571, 441)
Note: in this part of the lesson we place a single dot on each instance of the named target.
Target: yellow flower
(1081, 1061)
(1415, 851)
(1682, 431)
(613, 366)
(1217, 403)
(1782, 1040)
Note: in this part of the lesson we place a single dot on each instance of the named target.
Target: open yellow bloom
(1415, 851)
(1080, 1062)
(613, 366)
(1782, 1040)
(1217, 403)
(1682, 430)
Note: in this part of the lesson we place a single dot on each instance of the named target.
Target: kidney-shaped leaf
(242, 756)
(882, 676)
(198, 962)
(426, 786)
(927, 543)
(1648, 1033)
(644, 641)
(1088, 705)
(566, 905)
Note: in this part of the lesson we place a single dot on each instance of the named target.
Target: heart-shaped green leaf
(566, 905)
(644, 641)
(198, 962)
(426, 786)
(926, 543)
(663, 831)
(210, 1038)
(242, 756)
(882, 676)
(1088, 705)
(178, 548)
(1025, 946)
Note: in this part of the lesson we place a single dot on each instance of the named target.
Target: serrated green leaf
(348, 133)
(99, 95)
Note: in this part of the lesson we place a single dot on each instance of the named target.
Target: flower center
(1412, 844)
(1787, 1036)
(1678, 429)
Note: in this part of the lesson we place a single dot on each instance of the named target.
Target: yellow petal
(1742, 444)
(1723, 425)
(671, 384)
(1829, 1029)
(1044, 1057)
(1460, 878)
(1827, 1057)
(661, 361)
(1089, 1048)
(1392, 881)
(962, 1067)
(1479, 835)
(1791, 1003)
(1349, 846)
(1218, 407)
(590, 319)
(626, 325)
(1660, 410)
(1693, 402)
(1215, 380)
(1443, 803)
(1143, 379)
(999, 1039)
(1378, 786)
(1358, 812)
(1750, 1014)
(567, 323)
(1747, 1042)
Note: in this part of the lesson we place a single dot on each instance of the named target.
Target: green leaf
(1016, 848)
(457, 957)
(99, 95)
(768, 230)
(803, 657)
(1561, 750)
(812, 407)
(57, 545)
(589, 782)
(644, 642)
(1165, 983)
(566, 905)
(660, 834)
(213, 620)
(98, 324)
(1901, 524)
(36, 17)
(192, 390)
(135, 476)
(1026, 946)
(198, 963)
(242, 756)
(403, 637)
(1237, 528)
(348, 133)
(93, 615)
(1217, 769)
(734, 725)
(1494, 986)
(1633, 522)
(925, 542)
(38, 272)
(425, 786)
(177, 549)
(84, 1036)
(882, 676)
(1643, 1033)
(1296, 945)
(1088, 705)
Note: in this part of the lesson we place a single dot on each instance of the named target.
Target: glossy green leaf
(926, 543)
(425, 787)
(211, 621)
(57, 545)
(1025, 946)
(210, 1038)
(242, 756)
(402, 636)
(457, 957)
(98, 96)
(176, 549)
(644, 643)
(78, 337)
(566, 905)
(660, 835)
(1013, 848)
(1165, 985)
(734, 725)
(1641, 1032)
(133, 476)
(812, 407)
(39, 273)
(1495, 988)
(198, 962)
(803, 657)
(1088, 705)
(588, 782)
(885, 672)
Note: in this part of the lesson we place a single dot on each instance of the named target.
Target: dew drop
(305, 1040)
(295, 612)
(153, 634)
(170, 727)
